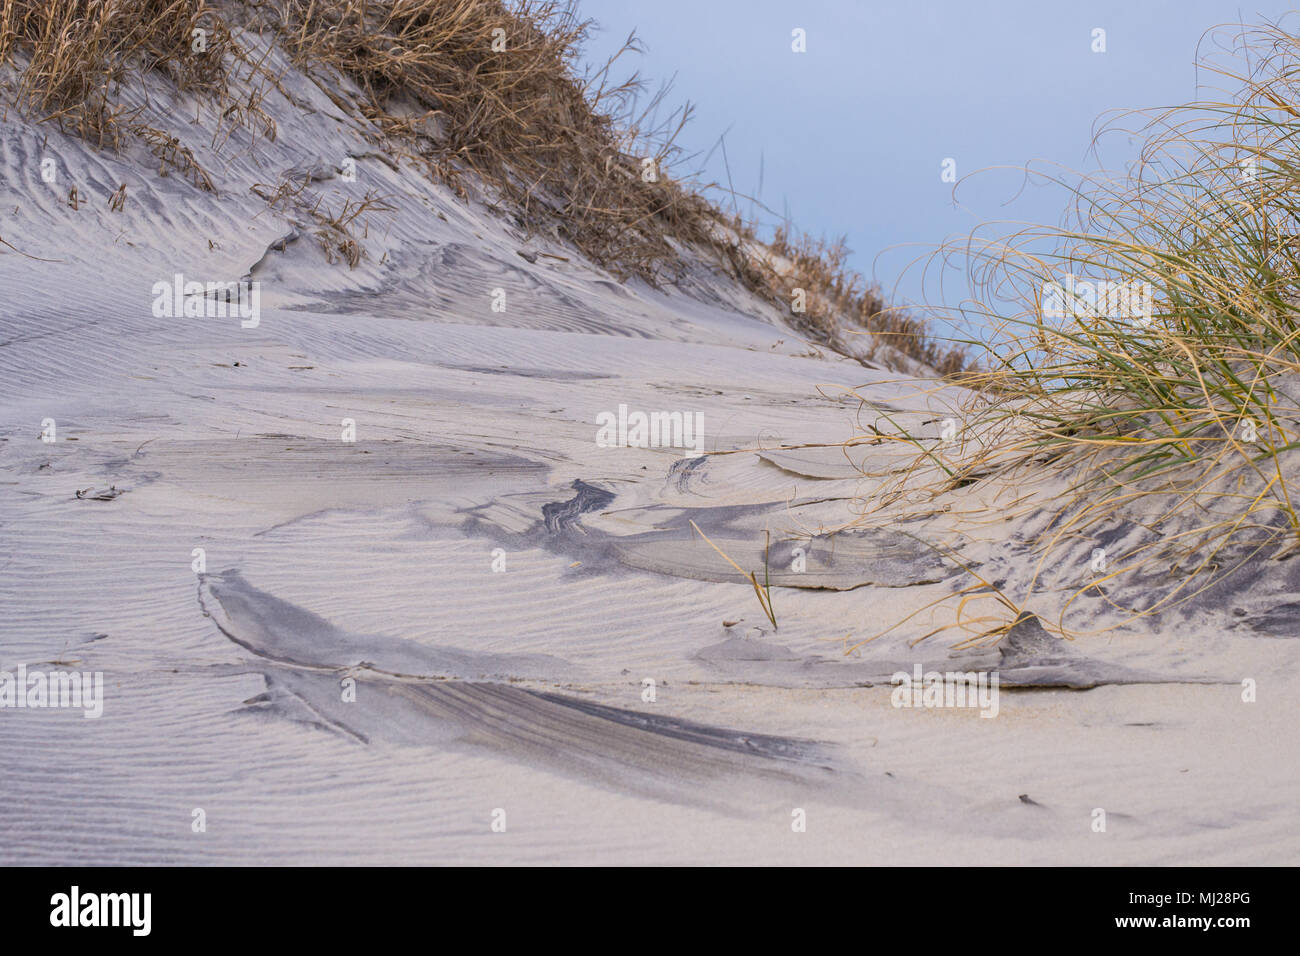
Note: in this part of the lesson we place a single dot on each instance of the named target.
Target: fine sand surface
(524, 689)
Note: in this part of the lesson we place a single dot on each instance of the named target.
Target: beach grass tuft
(1147, 351)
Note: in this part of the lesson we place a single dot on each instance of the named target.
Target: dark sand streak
(415, 694)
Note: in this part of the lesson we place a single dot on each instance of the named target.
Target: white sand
(223, 694)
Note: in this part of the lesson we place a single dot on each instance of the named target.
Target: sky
(851, 136)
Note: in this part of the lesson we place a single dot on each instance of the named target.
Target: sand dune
(501, 587)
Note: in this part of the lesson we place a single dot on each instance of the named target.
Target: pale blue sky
(852, 133)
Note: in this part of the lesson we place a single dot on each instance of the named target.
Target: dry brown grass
(483, 93)
(839, 301)
(334, 230)
(494, 93)
(78, 51)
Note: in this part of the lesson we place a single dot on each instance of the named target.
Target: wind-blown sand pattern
(523, 689)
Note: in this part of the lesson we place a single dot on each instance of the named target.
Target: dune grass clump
(1150, 348)
(477, 87)
(76, 54)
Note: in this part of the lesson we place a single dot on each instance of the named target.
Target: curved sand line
(415, 694)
